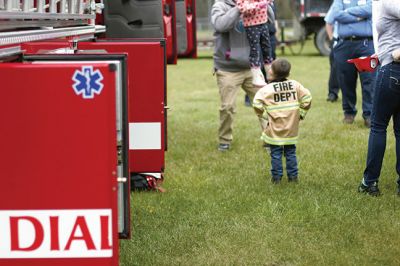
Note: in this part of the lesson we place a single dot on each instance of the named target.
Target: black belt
(357, 38)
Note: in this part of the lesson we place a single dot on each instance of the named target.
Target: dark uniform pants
(347, 75)
(333, 84)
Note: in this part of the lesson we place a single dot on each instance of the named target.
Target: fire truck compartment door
(134, 19)
(119, 61)
(143, 19)
(58, 161)
(170, 34)
(181, 27)
(147, 99)
(186, 28)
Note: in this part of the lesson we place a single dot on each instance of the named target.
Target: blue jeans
(386, 105)
(289, 152)
(348, 74)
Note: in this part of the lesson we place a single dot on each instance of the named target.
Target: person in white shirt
(386, 105)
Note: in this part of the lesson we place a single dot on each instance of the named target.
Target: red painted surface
(191, 50)
(170, 34)
(146, 92)
(58, 152)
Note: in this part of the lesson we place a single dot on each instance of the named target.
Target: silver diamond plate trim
(8, 38)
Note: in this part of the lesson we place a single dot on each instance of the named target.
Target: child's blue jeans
(289, 151)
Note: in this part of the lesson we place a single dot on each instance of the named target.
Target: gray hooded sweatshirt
(232, 49)
(231, 46)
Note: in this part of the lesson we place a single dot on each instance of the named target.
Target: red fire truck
(80, 114)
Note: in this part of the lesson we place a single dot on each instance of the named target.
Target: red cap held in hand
(365, 63)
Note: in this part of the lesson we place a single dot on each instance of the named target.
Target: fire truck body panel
(59, 164)
(68, 157)
(147, 99)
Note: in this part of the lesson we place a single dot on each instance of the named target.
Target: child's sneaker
(293, 179)
(276, 179)
(258, 77)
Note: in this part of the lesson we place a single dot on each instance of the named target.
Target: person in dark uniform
(333, 83)
(354, 21)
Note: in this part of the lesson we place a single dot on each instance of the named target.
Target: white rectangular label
(56, 233)
(144, 136)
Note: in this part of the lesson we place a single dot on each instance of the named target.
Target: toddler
(283, 102)
(255, 17)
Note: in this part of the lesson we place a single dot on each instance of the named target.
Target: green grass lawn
(221, 209)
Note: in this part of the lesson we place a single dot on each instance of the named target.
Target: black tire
(322, 42)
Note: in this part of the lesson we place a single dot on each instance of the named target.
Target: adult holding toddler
(231, 65)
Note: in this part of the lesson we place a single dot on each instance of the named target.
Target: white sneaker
(258, 77)
(267, 67)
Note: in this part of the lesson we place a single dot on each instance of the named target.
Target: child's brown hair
(281, 69)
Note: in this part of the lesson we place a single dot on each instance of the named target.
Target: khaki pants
(229, 84)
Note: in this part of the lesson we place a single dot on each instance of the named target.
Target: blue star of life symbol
(87, 82)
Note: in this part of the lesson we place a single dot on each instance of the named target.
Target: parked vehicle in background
(310, 14)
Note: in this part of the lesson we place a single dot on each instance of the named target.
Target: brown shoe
(367, 122)
(348, 119)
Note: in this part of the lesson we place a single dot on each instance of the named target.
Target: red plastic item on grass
(365, 63)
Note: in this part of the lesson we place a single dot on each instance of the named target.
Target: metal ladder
(32, 20)
(45, 9)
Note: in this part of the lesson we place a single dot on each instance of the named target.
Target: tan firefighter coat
(283, 104)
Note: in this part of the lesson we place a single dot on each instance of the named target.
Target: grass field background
(221, 209)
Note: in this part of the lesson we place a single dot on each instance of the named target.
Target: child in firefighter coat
(283, 102)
